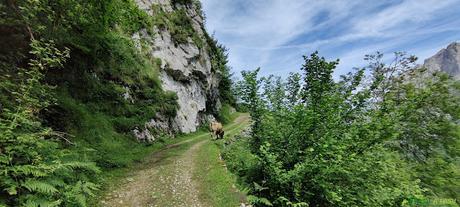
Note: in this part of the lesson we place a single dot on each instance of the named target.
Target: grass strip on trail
(217, 186)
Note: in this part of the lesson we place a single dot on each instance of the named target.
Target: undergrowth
(85, 110)
(106, 87)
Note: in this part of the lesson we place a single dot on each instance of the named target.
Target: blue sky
(274, 34)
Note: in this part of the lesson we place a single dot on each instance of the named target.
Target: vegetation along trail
(179, 175)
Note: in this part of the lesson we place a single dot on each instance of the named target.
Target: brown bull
(216, 129)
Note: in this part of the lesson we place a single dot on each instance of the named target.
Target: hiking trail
(165, 178)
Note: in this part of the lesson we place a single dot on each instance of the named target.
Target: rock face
(446, 60)
(185, 70)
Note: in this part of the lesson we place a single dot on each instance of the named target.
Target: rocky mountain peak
(446, 60)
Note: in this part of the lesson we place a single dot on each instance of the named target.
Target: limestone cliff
(186, 67)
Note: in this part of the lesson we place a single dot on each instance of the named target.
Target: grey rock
(155, 128)
(143, 135)
(147, 5)
(446, 60)
(127, 94)
(185, 70)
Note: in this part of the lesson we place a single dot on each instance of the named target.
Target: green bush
(240, 160)
(225, 114)
(36, 170)
(347, 143)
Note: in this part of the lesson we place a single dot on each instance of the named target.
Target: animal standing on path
(216, 129)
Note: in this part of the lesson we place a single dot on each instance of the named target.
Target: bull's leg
(221, 134)
(214, 135)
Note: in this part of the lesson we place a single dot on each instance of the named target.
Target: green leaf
(12, 190)
(39, 186)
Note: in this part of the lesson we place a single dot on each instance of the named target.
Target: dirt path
(164, 178)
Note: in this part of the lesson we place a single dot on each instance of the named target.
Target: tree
(248, 89)
(317, 79)
(226, 82)
(293, 88)
(329, 149)
(424, 107)
(274, 92)
(219, 60)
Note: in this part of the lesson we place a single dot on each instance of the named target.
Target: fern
(287, 202)
(37, 201)
(31, 170)
(88, 166)
(34, 170)
(259, 200)
(77, 194)
(39, 187)
(88, 188)
(57, 182)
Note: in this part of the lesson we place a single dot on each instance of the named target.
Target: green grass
(225, 114)
(178, 24)
(217, 186)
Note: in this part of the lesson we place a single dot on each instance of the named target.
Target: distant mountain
(447, 60)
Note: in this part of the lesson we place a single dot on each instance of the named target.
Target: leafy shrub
(239, 158)
(36, 171)
(225, 114)
(345, 143)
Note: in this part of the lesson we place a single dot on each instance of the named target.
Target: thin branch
(63, 135)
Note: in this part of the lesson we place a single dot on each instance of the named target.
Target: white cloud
(253, 28)
(260, 32)
(399, 18)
